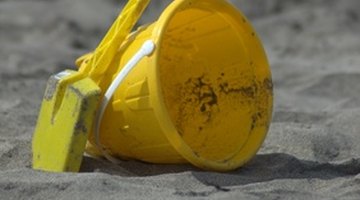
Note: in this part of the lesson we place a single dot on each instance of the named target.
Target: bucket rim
(161, 111)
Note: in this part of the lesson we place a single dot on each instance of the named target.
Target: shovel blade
(64, 123)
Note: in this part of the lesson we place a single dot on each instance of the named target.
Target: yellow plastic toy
(195, 86)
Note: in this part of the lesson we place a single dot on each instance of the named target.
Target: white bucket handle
(146, 49)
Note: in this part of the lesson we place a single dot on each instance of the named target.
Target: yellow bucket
(203, 96)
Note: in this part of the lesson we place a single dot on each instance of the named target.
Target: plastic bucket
(204, 96)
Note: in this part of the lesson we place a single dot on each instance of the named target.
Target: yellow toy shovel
(71, 100)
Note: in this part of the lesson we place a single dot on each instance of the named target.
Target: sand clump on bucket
(209, 85)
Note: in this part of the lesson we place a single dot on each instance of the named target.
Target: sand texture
(313, 147)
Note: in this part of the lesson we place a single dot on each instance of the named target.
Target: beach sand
(313, 147)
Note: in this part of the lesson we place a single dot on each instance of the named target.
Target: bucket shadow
(270, 167)
(132, 168)
(262, 168)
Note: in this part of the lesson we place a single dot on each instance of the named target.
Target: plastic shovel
(71, 100)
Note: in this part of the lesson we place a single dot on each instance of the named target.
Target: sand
(313, 147)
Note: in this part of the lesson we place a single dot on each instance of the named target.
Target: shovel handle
(103, 55)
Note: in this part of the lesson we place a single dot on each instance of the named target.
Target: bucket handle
(146, 49)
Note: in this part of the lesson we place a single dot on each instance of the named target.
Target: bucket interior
(207, 81)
